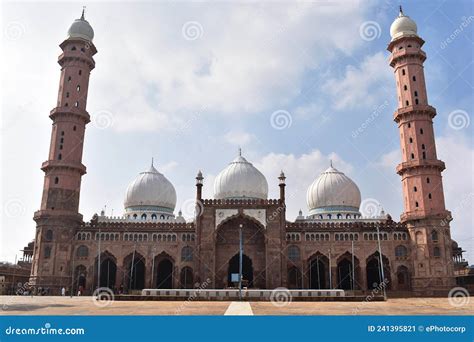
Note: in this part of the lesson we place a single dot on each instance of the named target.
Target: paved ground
(24, 305)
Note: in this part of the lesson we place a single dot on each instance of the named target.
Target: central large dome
(333, 195)
(151, 194)
(240, 179)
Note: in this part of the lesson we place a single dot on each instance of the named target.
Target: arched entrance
(135, 271)
(247, 270)
(164, 274)
(108, 270)
(226, 259)
(403, 278)
(318, 270)
(347, 273)
(294, 278)
(374, 273)
(186, 278)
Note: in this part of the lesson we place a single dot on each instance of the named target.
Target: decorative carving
(222, 214)
(258, 214)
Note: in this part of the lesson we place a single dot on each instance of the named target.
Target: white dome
(403, 26)
(150, 192)
(81, 28)
(333, 192)
(240, 179)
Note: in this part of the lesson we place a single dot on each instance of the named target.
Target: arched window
(187, 253)
(403, 72)
(80, 72)
(78, 88)
(47, 252)
(153, 216)
(339, 216)
(428, 180)
(56, 180)
(416, 204)
(429, 196)
(437, 252)
(401, 251)
(162, 217)
(412, 156)
(414, 78)
(416, 93)
(60, 156)
(405, 87)
(421, 130)
(294, 253)
(410, 140)
(49, 235)
(143, 216)
(415, 189)
(82, 252)
(407, 103)
(329, 216)
(134, 216)
(434, 236)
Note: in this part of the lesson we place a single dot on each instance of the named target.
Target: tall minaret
(424, 209)
(59, 216)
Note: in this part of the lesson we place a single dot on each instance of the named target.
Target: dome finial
(401, 11)
(240, 151)
(330, 162)
(152, 162)
(83, 11)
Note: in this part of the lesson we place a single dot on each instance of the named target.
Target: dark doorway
(164, 277)
(137, 274)
(374, 274)
(403, 278)
(186, 278)
(108, 271)
(294, 278)
(318, 273)
(344, 274)
(80, 282)
(247, 270)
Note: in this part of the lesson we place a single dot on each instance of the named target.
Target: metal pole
(310, 279)
(152, 271)
(317, 265)
(381, 263)
(240, 261)
(98, 262)
(353, 266)
(330, 271)
(72, 272)
(131, 270)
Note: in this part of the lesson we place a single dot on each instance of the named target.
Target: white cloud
(368, 84)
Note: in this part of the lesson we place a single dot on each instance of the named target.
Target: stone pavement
(25, 305)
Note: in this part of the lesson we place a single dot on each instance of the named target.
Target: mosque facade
(333, 246)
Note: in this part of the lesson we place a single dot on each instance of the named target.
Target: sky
(294, 84)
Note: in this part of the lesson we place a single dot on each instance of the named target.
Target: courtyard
(49, 305)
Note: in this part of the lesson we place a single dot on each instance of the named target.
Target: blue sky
(187, 83)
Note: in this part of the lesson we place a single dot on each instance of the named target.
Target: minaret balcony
(406, 53)
(63, 164)
(420, 163)
(82, 114)
(420, 214)
(404, 113)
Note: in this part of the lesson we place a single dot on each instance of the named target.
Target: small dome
(81, 28)
(403, 26)
(240, 179)
(150, 192)
(333, 193)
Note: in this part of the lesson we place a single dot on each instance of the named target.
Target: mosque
(331, 247)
